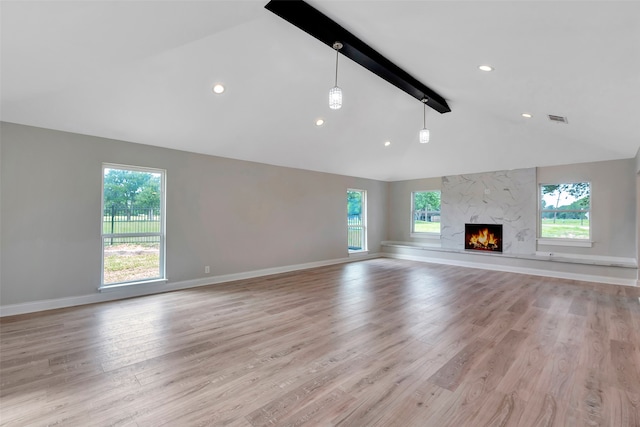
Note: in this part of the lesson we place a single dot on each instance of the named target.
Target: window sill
(566, 242)
(119, 286)
(356, 254)
(425, 235)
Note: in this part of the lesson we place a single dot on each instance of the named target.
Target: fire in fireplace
(483, 237)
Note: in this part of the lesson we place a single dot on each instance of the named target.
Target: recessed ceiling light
(526, 115)
(218, 88)
(387, 143)
(485, 67)
(319, 122)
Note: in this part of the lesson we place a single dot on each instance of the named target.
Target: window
(357, 220)
(425, 212)
(565, 211)
(133, 231)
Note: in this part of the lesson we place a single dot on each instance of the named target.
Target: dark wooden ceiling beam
(318, 25)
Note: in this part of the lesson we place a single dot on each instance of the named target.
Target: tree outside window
(565, 211)
(425, 212)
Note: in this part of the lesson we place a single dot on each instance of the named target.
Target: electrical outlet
(206, 269)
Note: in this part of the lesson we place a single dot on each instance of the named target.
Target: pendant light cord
(337, 46)
(424, 115)
(336, 67)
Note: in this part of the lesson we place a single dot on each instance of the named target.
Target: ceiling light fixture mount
(335, 93)
(424, 133)
(318, 25)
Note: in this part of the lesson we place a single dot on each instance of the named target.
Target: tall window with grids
(356, 220)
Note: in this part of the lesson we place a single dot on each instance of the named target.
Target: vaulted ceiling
(143, 71)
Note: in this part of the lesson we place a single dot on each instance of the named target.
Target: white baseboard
(149, 289)
(520, 270)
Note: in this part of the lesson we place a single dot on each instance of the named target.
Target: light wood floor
(374, 343)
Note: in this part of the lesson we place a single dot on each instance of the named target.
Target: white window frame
(428, 234)
(161, 234)
(363, 226)
(564, 241)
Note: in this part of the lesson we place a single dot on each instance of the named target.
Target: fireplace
(483, 237)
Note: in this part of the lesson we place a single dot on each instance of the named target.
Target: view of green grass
(124, 226)
(565, 228)
(426, 227)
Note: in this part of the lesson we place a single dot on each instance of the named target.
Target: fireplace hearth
(483, 237)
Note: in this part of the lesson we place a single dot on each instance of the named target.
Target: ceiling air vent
(558, 119)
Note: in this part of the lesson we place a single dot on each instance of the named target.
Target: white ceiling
(142, 71)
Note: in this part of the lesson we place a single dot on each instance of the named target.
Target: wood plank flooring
(373, 343)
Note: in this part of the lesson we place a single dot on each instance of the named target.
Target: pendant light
(335, 93)
(424, 133)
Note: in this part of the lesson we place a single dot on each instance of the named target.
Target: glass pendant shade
(335, 98)
(424, 136)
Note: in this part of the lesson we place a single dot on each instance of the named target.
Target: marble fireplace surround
(503, 197)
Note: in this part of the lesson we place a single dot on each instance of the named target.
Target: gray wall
(613, 205)
(400, 208)
(234, 216)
